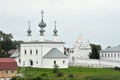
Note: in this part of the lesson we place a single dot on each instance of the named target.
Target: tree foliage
(7, 44)
(95, 51)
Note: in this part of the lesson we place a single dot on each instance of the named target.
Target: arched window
(108, 55)
(36, 62)
(54, 62)
(105, 55)
(118, 55)
(36, 51)
(114, 55)
(25, 52)
(30, 51)
(102, 55)
(111, 55)
(19, 61)
(63, 61)
(31, 63)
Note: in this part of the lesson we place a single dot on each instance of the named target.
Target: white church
(42, 53)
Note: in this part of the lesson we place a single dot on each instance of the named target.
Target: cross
(29, 23)
(42, 13)
(55, 24)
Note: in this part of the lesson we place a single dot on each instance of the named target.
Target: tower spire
(29, 30)
(42, 14)
(55, 30)
(55, 35)
(42, 25)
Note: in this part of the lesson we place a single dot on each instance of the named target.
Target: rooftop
(8, 63)
(55, 53)
(112, 49)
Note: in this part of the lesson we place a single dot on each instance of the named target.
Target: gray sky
(97, 20)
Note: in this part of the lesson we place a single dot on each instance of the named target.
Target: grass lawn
(74, 73)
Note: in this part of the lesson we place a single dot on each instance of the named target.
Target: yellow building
(8, 68)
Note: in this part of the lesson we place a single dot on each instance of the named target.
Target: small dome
(29, 31)
(55, 31)
(42, 24)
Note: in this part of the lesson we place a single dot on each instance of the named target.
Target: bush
(44, 75)
(71, 76)
(37, 78)
(60, 74)
(55, 69)
(117, 68)
(13, 78)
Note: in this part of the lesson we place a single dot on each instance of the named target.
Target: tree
(55, 69)
(95, 51)
(5, 44)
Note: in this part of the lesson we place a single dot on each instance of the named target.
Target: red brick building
(8, 68)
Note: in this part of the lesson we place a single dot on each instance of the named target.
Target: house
(8, 68)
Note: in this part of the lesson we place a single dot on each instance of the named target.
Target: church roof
(15, 54)
(112, 49)
(55, 53)
(46, 41)
(8, 64)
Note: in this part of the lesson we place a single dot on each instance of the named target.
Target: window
(114, 55)
(25, 52)
(102, 55)
(12, 71)
(118, 55)
(105, 55)
(30, 51)
(111, 55)
(54, 62)
(108, 55)
(19, 61)
(36, 51)
(72, 51)
(36, 62)
(63, 62)
(6, 71)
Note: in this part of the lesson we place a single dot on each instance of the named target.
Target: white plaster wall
(42, 48)
(49, 62)
(110, 58)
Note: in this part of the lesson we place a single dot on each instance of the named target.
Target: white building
(111, 54)
(79, 52)
(43, 53)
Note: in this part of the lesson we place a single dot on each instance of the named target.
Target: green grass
(79, 73)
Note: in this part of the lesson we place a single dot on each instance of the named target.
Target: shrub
(71, 76)
(44, 75)
(55, 69)
(13, 78)
(60, 74)
(117, 68)
(37, 78)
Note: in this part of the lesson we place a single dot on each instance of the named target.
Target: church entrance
(31, 63)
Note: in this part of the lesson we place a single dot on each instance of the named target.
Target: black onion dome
(29, 31)
(55, 31)
(42, 24)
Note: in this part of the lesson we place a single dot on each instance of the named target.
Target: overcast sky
(97, 20)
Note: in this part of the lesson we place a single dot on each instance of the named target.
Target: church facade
(43, 53)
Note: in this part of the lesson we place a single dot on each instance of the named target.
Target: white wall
(43, 48)
(49, 62)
